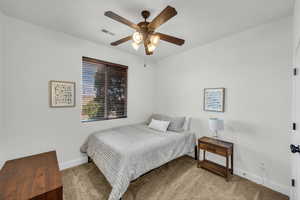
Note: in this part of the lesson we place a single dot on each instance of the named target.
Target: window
(104, 90)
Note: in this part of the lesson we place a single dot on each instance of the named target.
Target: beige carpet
(178, 180)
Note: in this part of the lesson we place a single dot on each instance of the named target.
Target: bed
(125, 153)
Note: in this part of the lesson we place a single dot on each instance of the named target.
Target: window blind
(104, 90)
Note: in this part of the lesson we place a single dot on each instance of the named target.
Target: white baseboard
(283, 189)
(252, 177)
(73, 163)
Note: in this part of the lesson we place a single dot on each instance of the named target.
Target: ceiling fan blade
(121, 41)
(120, 19)
(163, 17)
(170, 39)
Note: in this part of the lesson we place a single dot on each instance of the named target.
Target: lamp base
(216, 135)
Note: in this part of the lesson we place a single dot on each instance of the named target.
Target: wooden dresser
(34, 177)
(219, 147)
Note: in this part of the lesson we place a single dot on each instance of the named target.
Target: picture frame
(62, 94)
(214, 99)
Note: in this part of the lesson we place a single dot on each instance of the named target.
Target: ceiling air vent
(107, 32)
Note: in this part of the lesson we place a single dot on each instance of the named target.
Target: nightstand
(218, 147)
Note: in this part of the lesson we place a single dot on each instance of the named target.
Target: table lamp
(216, 125)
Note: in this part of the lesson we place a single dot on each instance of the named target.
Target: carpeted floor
(178, 180)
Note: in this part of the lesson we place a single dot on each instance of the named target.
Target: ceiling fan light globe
(154, 39)
(151, 47)
(135, 46)
(137, 37)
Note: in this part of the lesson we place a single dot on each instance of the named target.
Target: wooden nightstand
(218, 147)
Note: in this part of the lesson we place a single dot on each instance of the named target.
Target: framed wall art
(61, 94)
(214, 99)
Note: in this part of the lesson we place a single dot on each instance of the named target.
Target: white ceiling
(198, 21)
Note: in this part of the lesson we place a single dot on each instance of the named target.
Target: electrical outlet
(262, 166)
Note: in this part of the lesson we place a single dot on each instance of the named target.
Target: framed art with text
(214, 99)
(61, 94)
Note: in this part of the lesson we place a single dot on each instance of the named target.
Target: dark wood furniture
(34, 177)
(218, 147)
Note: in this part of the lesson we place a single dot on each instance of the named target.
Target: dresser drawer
(213, 149)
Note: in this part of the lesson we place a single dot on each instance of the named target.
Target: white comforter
(125, 153)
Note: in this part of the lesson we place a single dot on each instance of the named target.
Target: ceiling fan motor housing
(145, 14)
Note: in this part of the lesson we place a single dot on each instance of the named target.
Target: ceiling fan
(145, 32)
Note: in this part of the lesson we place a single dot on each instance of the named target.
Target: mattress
(125, 153)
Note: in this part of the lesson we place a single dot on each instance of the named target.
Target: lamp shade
(216, 124)
(135, 46)
(137, 37)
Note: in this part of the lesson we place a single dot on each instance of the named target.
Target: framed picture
(61, 94)
(214, 99)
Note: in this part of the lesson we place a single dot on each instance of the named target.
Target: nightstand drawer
(213, 149)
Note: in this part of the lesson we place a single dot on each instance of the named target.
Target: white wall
(296, 30)
(34, 56)
(1, 78)
(254, 68)
(1, 69)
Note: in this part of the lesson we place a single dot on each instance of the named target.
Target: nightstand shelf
(218, 147)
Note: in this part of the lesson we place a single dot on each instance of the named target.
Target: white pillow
(159, 125)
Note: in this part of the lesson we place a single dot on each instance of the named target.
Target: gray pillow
(176, 123)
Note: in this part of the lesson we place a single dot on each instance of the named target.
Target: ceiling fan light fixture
(154, 39)
(135, 46)
(137, 37)
(151, 47)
